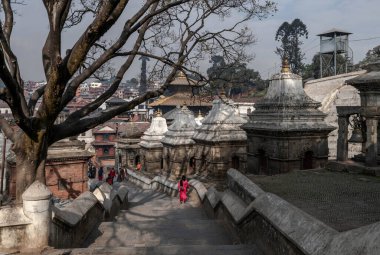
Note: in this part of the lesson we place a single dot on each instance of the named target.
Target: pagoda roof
(181, 99)
(182, 79)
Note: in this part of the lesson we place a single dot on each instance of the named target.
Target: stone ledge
(13, 216)
(243, 186)
(234, 205)
(73, 213)
(302, 229)
(360, 241)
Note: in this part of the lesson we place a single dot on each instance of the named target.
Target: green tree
(173, 33)
(234, 78)
(290, 37)
(313, 70)
(369, 57)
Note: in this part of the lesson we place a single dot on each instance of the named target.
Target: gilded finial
(200, 114)
(285, 66)
(180, 73)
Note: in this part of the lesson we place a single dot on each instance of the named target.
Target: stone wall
(73, 176)
(176, 160)
(272, 224)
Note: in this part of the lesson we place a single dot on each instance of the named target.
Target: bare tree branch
(8, 23)
(131, 26)
(37, 94)
(115, 84)
(7, 129)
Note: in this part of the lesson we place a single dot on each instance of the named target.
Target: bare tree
(173, 33)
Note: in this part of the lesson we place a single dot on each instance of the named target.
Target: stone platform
(341, 200)
(350, 166)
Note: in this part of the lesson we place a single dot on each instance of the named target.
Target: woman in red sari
(183, 186)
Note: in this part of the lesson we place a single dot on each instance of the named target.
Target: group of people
(111, 176)
(183, 184)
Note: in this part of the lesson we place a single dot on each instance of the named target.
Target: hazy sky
(358, 17)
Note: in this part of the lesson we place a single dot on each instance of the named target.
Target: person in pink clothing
(183, 186)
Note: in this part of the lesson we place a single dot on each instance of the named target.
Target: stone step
(161, 232)
(165, 250)
(152, 213)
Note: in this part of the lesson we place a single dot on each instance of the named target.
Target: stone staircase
(157, 224)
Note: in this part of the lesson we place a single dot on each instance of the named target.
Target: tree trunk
(30, 161)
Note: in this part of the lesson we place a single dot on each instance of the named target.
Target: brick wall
(66, 179)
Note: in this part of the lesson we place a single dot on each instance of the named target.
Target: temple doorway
(307, 162)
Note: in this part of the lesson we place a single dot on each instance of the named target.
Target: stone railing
(38, 223)
(275, 226)
(197, 191)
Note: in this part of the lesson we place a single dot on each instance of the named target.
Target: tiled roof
(133, 129)
(182, 99)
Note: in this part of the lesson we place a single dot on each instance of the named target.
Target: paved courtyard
(341, 200)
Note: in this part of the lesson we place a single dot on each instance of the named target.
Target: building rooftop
(104, 130)
(333, 31)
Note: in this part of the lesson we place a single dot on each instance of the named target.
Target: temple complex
(220, 142)
(286, 131)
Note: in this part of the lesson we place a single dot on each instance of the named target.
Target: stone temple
(151, 146)
(286, 131)
(178, 145)
(220, 142)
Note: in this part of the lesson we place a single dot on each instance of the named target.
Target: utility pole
(2, 169)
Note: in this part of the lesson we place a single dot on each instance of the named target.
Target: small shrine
(364, 119)
(220, 142)
(151, 146)
(178, 145)
(286, 131)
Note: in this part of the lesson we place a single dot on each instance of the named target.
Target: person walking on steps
(100, 174)
(183, 186)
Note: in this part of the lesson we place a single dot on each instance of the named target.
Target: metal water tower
(334, 44)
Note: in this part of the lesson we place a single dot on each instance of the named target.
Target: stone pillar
(37, 207)
(371, 144)
(342, 146)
